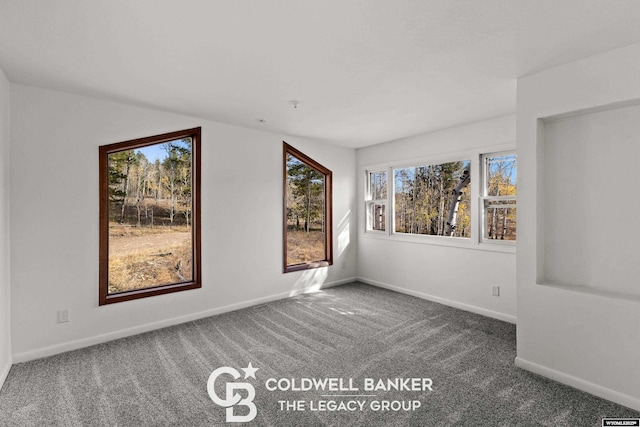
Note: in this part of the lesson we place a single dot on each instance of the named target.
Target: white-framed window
(433, 199)
(498, 196)
(465, 199)
(376, 201)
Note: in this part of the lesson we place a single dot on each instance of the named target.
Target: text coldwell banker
(346, 384)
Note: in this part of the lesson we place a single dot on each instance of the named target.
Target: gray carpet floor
(352, 332)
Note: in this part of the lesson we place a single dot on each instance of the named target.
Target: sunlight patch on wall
(309, 281)
(343, 234)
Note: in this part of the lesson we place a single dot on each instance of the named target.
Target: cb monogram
(231, 398)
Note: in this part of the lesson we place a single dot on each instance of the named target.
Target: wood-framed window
(149, 216)
(307, 214)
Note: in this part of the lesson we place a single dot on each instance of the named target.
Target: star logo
(250, 371)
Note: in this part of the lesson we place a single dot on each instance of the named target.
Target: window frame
(484, 198)
(473, 154)
(104, 297)
(328, 210)
(369, 201)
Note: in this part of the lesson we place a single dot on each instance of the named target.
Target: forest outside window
(376, 203)
(499, 196)
(307, 212)
(433, 200)
(150, 216)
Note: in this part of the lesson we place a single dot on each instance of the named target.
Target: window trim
(328, 206)
(104, 297)
(369, 202)
(485, 198)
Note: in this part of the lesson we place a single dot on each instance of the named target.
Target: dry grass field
(304, 247)
(142, 257)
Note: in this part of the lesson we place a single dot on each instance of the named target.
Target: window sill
(307, 266)
(148, 292)
(454, 242)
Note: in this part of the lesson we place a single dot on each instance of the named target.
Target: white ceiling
(365, 71)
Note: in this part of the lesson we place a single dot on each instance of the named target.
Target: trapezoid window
(307, 212)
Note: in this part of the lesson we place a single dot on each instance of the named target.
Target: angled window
(433, 199)
(376, 201)
(150, 216)
(499, 190)
(307, 212)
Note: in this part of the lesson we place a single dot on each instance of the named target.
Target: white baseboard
(444, 301)
(123, 333)
(4, 371)
(580, 384)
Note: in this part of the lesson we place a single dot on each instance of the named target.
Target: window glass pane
(377, 217)
(378, 185)
(500, 219)
(150, 216)
(501, 174)
(433, 200)
(305, 211)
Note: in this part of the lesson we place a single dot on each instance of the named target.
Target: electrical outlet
(63, 315)
(495, 291)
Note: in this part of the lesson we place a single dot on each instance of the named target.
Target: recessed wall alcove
(589, 205)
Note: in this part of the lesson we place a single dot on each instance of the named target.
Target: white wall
(459, 276)
(584, 335)
(5, 301)
(54, 251)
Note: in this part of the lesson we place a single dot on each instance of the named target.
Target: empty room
(337, 213)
